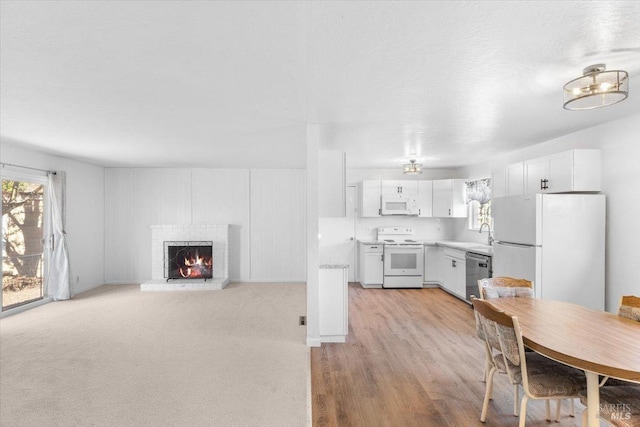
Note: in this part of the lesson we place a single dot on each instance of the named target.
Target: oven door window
(402, 261)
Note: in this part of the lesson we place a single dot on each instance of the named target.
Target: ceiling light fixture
(596, 88)
(412, 168)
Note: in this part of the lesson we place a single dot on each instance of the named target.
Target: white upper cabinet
(535, 171)
(331, 184)
(499, 182)
(567, 171)
(449, 198)
(406, 188)
(515, 179)
(425, 199)
(369, 200)
(564, 172)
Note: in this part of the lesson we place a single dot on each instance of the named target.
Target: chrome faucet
(489, 238)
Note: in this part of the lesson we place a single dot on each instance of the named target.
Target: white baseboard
(333, 338)
(301, 281)
(313, 342)
(371, 286)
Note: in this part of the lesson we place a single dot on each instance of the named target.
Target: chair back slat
(630, 307)
(505, 287)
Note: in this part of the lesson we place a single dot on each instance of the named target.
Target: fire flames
(196, 266)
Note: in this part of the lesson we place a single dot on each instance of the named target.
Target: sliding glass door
(24, 228)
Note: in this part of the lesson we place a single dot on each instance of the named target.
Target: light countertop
(333, 264)
(478, 248)
(463, 246)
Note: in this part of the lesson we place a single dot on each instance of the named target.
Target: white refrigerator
(555, 240)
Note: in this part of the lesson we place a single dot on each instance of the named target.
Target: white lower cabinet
(334, 304)
(454, 272)
(371, 265)
(433, 264)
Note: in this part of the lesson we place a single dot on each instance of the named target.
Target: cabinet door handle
(453, 263)
(419, 210)
(449, 212)
(544, 184)
(380, 211)
(382, 257)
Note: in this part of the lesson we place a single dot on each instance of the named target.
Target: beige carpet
(115, 356)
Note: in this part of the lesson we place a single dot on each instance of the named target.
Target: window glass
(23, 225)
(479, 203)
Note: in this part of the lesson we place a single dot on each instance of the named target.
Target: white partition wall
(278, 240)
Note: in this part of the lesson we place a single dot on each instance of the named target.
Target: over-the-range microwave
(398, 205)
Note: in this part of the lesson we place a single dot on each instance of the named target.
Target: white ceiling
(234, 84)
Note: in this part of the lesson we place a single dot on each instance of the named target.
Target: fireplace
(212, 244)
(188, 260)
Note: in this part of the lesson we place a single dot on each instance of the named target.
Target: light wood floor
(411, 359)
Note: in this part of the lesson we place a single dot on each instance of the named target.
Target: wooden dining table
(597, 342)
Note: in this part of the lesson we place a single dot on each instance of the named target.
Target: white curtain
(479, 190)
(59, 285)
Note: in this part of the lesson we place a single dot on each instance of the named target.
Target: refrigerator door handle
(518, 245)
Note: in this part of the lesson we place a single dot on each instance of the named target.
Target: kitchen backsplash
(424, 228)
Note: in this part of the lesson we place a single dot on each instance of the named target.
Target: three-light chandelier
(412, 168)
(596, 88)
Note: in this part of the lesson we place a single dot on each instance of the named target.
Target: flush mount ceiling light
(596, 88)
(412, 168)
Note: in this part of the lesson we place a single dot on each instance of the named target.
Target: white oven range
(403, 258)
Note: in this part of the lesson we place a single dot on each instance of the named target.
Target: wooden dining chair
(619, 405)
(540, 377)
(619, 399)
(630, 307)
(505, 287)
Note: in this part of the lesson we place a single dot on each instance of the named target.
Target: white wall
(265, 209)
(85, 211)
(312, 234)
(618, 141)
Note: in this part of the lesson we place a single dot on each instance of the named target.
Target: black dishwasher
(478, 267)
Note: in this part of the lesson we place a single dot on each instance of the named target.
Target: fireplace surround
(216, 236)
